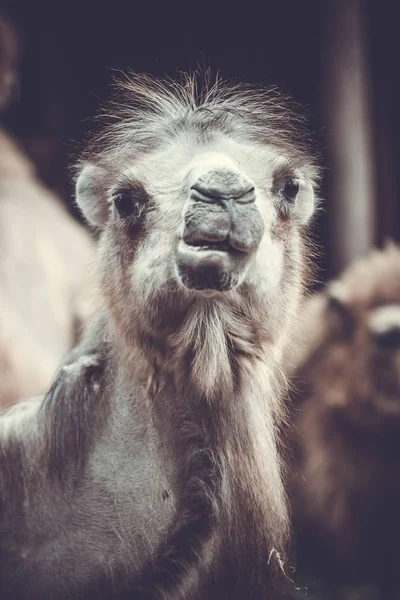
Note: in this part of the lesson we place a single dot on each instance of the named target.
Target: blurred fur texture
(44, 257)
(345, 486)
(44, 291)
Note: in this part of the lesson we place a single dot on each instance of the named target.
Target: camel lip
(206, 247)
(209, 269)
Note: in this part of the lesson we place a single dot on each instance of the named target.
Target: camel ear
(305, 201)
(91, 194)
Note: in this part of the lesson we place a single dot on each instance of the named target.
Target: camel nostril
(199, 193)
(212, 195)
(246, 197)
(222, 184)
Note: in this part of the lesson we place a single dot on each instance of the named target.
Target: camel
(152, 467)
(346, 475)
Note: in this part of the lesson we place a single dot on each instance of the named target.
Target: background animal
(152, 466)
(345, 489)
(44, 261)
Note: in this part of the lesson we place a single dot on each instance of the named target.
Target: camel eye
(291, 189)
(124, 203)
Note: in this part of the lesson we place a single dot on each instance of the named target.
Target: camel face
(199, 204)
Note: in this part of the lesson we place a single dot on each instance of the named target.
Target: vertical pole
(347, 104)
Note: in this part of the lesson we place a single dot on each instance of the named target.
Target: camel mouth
(209, 266)
(203, 246)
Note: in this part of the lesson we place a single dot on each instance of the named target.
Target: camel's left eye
(291, 189)
(124, 203)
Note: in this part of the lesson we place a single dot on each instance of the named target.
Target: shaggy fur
(160, 430)
(346, 492)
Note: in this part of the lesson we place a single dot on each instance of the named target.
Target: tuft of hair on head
(143, 105)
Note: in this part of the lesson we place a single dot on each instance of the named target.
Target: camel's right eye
(124, 203)
(291, 189)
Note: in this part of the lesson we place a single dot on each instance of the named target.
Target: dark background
(71, 50)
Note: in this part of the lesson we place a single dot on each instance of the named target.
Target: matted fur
(184, 388)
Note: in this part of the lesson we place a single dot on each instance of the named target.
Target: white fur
(305, 201)
(17, 421)
(90, 195)
(385, 319)
(338, 291)
(87, 360)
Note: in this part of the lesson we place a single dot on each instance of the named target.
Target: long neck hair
(231, 508)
